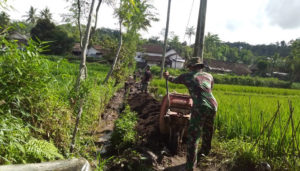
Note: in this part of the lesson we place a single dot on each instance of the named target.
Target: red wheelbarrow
(175, 113)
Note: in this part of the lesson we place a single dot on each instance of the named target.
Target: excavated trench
(151, 144)
(151, 141)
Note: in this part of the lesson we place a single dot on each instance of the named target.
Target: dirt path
(108, 117)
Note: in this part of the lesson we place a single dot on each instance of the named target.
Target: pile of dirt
(148, 110)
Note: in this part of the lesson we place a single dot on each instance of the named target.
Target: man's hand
(166, 75)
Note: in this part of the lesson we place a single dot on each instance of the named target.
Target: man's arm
(178, 80)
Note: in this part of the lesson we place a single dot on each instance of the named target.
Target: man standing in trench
(204, 109)
(146, 78)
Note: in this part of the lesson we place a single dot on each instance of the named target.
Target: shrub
(16, 146)
(23, 79)
(124, 134)
(41, 150)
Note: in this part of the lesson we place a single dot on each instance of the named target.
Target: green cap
(195, 61)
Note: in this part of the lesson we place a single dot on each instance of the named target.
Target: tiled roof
(153, 49)
(239, 69)
(97, 47)
(76, 47)
(153, 58)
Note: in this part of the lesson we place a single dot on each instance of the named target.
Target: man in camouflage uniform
(204, 109)
(146, 78)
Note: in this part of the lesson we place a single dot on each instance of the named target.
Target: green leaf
(19, 71)
(132, 2)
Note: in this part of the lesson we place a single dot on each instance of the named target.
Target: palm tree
(45, 14)
(31, 15)
(190, 31)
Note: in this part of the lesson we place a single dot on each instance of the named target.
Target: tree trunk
(83, 68)
(198, 49)
(79, 23)
(96, 18)
(76, 126)
(82, 73)
(117, 55)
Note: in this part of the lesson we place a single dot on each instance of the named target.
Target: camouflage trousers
(144, 87)
(202, 121)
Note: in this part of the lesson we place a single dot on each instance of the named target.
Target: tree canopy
(58, 40)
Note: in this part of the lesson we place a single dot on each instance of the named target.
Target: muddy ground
(151, 144)
(148, 110)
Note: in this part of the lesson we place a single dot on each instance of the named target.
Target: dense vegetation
(42, 92)
(37, 105)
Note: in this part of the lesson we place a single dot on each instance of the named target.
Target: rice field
(267, 117)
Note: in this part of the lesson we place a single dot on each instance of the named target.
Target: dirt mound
(148, 110)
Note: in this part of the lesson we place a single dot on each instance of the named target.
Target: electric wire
(188, 20)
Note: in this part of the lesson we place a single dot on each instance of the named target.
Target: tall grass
(36, 105)
(237, 80)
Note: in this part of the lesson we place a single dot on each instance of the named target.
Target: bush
(16, 146)
(124, 134)
(41, 150)
(23, 80)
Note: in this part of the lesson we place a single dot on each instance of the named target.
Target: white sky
(251, 21)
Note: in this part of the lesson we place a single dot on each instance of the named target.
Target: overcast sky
(251, 21)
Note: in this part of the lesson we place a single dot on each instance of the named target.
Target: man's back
(147, 76)
(200, 86)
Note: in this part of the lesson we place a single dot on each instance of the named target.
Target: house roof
(17, 36)
(152, 49)
(98, 47)
(153, 58)
(76, 47)
(239, 69)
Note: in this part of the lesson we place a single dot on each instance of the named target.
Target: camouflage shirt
(200, 86)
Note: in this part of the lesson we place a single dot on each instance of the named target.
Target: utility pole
(165, 41)
(198, 49)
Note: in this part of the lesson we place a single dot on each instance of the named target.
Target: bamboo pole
(165, 41)
(199, 41)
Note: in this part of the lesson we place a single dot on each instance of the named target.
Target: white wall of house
(93, 52)
(177, 64)
(153, 54)
(172, 51)
(139, 57)
(177, 61)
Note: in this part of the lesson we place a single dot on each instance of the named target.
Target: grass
(98, 95)
(252, 115)
(238, 80)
